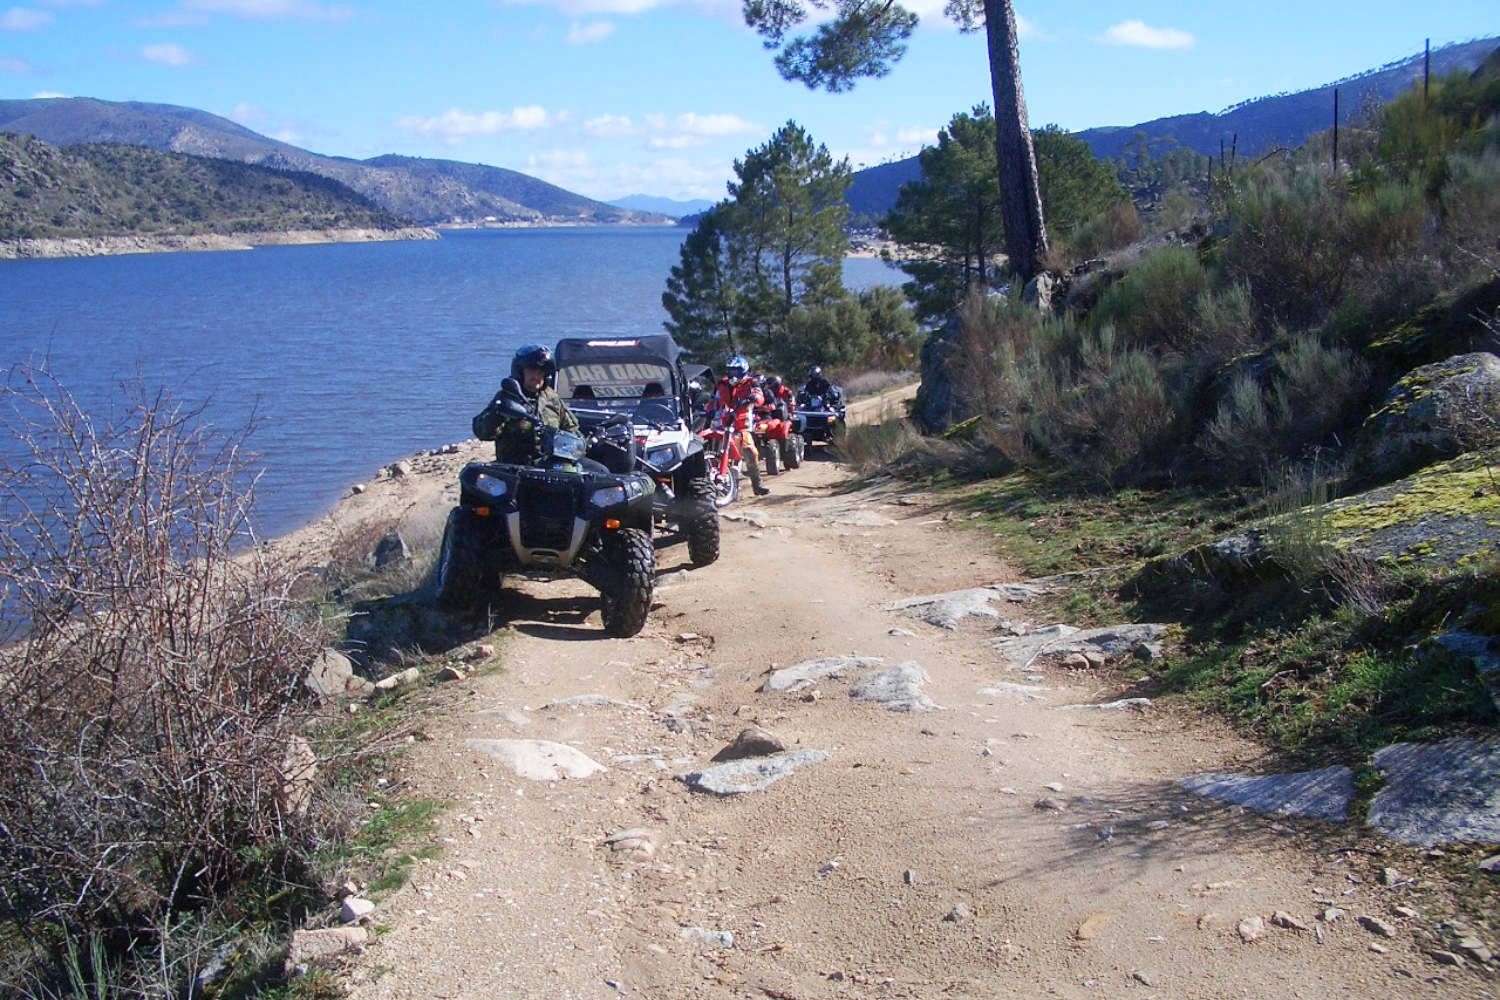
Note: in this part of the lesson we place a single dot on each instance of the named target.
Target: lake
(349, 356)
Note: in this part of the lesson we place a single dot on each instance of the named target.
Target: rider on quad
(734, 402)
(779, 397)
(517, 441)
(817, 385)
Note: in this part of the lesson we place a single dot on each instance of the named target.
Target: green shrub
(1305, 241)
(1308, 389)
(1115, 227)
(1155, 303)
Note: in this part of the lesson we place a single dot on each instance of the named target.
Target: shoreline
(49, 248)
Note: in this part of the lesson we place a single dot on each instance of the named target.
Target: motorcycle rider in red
(735, 398)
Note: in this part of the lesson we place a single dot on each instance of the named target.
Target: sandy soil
(914, 862)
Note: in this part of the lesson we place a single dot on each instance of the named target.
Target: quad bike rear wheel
(624, 611)
(464, 582)
(700, 522)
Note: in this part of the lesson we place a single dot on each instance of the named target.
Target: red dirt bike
(777, 440)
(722, 455)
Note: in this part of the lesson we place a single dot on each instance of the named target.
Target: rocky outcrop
(1435, 412)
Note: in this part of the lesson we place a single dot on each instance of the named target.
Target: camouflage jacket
(519, 440)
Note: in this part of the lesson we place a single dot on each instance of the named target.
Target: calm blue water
(348, 355)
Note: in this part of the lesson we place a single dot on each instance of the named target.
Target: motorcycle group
(602, 441)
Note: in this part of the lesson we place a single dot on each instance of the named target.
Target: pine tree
(865, 37)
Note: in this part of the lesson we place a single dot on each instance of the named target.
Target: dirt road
(996, 846)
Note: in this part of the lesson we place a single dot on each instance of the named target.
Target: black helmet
(533, 356)
(816, 371)
(773, 382)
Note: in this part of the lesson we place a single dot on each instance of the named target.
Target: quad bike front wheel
(772, 451)
(700, 522)
(624, 610)
(463, 579)
(792, 450)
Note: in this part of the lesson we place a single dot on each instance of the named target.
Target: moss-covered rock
(1443, 521)
(1435, 412)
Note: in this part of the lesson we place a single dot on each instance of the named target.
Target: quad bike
(563, 514)
(652, 434)
(778, 440)
(821, 414)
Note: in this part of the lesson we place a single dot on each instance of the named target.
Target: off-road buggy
(565, 514)
(637, 393)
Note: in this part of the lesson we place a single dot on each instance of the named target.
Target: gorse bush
(149, 748)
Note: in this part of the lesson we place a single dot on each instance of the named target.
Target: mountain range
(1253, 127)
(436, 192)
(425, 191)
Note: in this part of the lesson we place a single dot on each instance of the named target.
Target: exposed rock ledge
(94, 246)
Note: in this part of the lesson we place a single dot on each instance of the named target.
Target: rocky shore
(98, 246)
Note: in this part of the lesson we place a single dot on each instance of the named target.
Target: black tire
(700, 522)
(726, 487)
(463, 580)
(772, 451)
(792, 450)
(630, 551)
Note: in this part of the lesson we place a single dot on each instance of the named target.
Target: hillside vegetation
(426, 191)
(113, 189)
(1276, 427)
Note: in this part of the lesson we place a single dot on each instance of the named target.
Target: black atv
(564, 514)
(636, 393)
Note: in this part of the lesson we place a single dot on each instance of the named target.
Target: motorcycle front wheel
(726, 485)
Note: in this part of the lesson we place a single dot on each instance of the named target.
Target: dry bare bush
(152, 678)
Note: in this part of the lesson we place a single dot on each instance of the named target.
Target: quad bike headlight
(660, 457)
(490, 486)
(608, 496)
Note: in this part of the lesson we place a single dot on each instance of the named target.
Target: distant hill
(106, 189)
(1255, 126)
(1290, 119)
(425, 191)
(662, 206)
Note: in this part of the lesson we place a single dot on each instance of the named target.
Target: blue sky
(615, 97)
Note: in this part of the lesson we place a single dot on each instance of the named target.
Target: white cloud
(611, 177)
(173, 19)
(9, 64)
(248, 115)
(587, 34)
(1142, 35)
(73, 3)
(713, 125)
(272, 10)
(916, 137)
(692, 129)
(48, 94)
(289, 136)
(454, 126)
(675, 141)
(609, 127)
(24, 19)
(166, 54)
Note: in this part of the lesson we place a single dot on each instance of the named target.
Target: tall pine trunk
(1020, 194)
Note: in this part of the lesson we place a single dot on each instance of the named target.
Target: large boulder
(936, 407)
(1436, 412)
